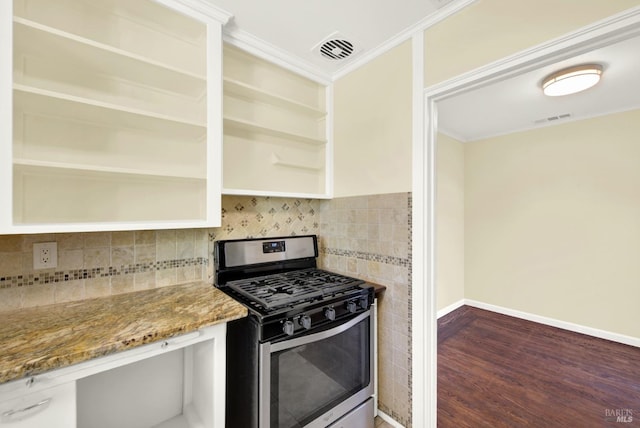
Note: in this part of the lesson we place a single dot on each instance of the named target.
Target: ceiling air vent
(553, 118)
(336, 47)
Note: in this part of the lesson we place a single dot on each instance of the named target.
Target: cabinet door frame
(6, 115)
(213, 19)
(241, 88)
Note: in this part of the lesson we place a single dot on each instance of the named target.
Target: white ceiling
(518, 104)
(291, 30)
(296, 27)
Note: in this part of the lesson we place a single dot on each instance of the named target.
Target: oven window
(309, 380)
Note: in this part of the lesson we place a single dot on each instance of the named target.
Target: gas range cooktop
(293, 287)
(277, 279)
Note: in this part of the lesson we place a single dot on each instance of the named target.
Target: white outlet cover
(45, 255)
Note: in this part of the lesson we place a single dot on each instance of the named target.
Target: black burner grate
(293, 287)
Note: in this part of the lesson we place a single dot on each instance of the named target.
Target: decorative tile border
(405, 418)
(99, 272)
(389, 260)
(368, 216)
(242, 217)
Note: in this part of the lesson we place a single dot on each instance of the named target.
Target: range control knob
(330, 314)
(364, 302)
(351, 306)
(288, 328)
(305, 322)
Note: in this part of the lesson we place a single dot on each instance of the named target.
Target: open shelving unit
(242, 89)
(258, 128)
(110, 114)
(275, 130)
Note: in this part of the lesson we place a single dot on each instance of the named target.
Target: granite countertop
(378, 289)
(36, 340)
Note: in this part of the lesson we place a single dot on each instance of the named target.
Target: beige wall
(489, 30)
(366, 230)
(372, 126)
(552, 222)
(449, 221)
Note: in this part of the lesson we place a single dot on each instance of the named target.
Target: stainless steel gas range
(304, 355)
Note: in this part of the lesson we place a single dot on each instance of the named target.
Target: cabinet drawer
(52, 407)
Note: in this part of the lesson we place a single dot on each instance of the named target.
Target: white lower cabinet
(157, 392)
(178, 383)
(53, 407)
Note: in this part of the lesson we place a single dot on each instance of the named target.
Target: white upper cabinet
(111, 115)
(276, 130)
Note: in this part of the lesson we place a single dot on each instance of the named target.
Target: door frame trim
(425, 119)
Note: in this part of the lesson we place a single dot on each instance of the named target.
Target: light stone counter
(36, 340)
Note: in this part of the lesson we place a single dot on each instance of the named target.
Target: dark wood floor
(499, 371)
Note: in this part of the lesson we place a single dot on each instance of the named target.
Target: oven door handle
(298, 341)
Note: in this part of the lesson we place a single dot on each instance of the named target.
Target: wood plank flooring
(499, 371)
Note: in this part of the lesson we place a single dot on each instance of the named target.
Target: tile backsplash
(103, 263)
(244, 217)
(368, 237)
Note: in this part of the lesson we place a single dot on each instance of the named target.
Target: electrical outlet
(45, 255)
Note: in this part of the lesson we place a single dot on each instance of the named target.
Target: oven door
(313, 380)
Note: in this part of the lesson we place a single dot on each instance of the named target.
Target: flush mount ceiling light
(571, 80)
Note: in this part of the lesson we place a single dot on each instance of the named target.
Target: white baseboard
(388, 419)
(452, 307)
(590, 331)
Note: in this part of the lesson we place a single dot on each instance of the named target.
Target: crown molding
(201, 7)
(267, 51)
(262, 49)
(609, 30)
(533, 128)
(452, 135)
(429, 21)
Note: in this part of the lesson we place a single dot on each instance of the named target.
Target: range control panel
(274, 247)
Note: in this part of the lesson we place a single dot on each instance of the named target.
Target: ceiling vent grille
(336, 49)
(553, 118)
